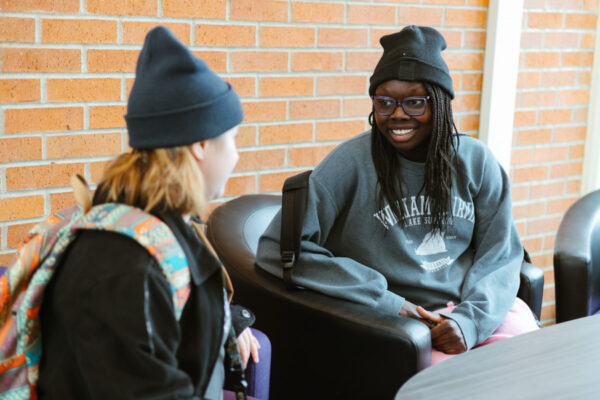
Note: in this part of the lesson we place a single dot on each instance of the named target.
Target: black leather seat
(323, 348)
(577, 260)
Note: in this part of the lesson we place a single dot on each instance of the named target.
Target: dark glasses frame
(401, 104)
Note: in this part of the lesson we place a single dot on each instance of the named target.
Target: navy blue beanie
(413, 54)
(176, 98)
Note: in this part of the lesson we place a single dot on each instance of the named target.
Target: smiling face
(409, 135)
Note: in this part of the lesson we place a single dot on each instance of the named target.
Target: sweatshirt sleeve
(319, 269)
(490, 286)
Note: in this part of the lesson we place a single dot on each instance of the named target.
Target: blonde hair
(167, 178)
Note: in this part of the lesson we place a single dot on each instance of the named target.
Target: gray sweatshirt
(354, 250)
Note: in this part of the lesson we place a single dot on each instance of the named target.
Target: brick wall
(301, 68)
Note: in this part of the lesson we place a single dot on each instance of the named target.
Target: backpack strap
(293, 208)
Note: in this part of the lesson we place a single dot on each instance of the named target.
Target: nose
(399, 113)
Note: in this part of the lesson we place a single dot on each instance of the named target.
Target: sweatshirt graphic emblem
(433, 243)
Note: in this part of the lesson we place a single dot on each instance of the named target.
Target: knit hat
(176, 98)
(413, 54)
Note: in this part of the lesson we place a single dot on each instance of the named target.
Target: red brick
(360, 107)
(112, 60)
(574, 96)
(576, 152)
(58, 6)
(17, 29)
(533, 245)
(425, 15)
(60, 201)
(339, 130)
(560, 206)
(528, 80)
(308, 156)
(468, 18)
(246, 136)
(545, 20)
(454, 39)
(561, 40)
(588, 41)
(472, 81)
(103, 89)
(547, 59)
(590, 5)
(584, 77)
(122, 7)
(555, 116)
(244, 86)
(475, 40)
(377, 34)
(558, 78)
(19, 90)
(519, 193)
(525, 118)
(311, 109)
(570, 134)
(68, 146)
(286, 133)
(239, 185)
(327, 85)
(20, 149)
(134, 32)
(273, 182)
(549, 242)
(564, 4)
(259, 61)
(216, 60)
(286, 86)
(550, 154)
(580, 114)
(362, 60)
(226, 35)
(371, 14)
(468, 122)
(206, 9)
(534, 136)
(260, 159)
(43, 119)
(16, 233)
(577, 59)
(40, 60)
(532, 40)
(263, 10)
(14, 208)
(580, 21)
(79, 31)
(41, 176)
(467, 102)
(538, 98)
(446, 2)
(521, 156)
(342, 37)
(317, 61)
(566, 170)
(285, 36)
(97, 170)
(317, 12)
(574, 186)
(264, 111)
(527, 174)
(543, 225)
(464, 60)
(529, 210)
(102, 117)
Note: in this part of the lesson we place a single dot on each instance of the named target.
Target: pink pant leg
(519, 320)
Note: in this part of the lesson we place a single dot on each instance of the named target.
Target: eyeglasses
(413, 106)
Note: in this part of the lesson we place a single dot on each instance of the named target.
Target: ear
(198, 150)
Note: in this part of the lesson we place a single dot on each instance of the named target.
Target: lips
(402, 134)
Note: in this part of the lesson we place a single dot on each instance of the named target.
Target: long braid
(439, 165)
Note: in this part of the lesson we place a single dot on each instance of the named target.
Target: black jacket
(108, 324)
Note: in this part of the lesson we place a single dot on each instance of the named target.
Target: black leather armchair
(577, 260)
(323, 348)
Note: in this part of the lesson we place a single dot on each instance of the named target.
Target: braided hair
(440, 164)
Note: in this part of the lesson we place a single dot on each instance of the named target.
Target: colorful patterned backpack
(23, 284)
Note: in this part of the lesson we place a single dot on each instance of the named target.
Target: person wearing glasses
(411, 217)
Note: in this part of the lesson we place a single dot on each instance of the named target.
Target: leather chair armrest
(531, 289)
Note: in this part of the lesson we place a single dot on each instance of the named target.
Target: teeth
(401, 131)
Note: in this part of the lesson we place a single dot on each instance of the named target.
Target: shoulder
(345, 157)
(474, 155)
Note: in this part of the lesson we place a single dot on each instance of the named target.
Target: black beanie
(176, 98)
(413, 54)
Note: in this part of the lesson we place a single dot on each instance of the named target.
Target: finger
(430, 316)
(254, 350)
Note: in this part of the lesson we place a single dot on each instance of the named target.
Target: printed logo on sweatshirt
(417, 212)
